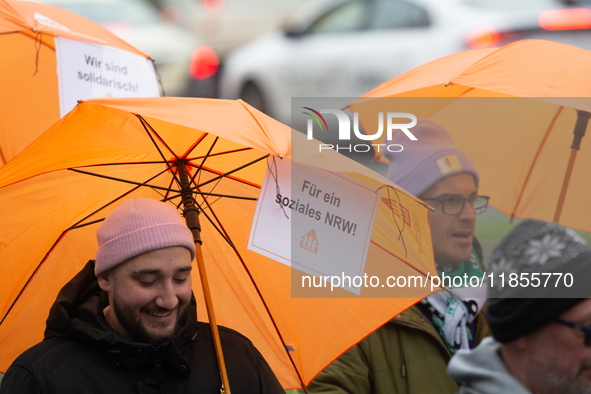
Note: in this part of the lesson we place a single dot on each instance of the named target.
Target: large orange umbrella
(56, 192)
(49, 58)
(519, 111)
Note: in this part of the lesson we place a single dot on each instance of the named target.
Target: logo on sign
(310, 242)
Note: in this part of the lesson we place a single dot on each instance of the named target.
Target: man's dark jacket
(81, 353)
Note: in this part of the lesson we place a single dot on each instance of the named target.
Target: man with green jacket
(410, 353)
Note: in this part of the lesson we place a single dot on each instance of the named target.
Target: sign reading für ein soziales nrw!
(88, 70)
(313, 220)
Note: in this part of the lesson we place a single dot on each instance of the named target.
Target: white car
(345, 48)
(175, 51)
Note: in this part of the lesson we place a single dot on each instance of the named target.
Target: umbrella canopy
(519, 111)
(50, 58)
(55, 193)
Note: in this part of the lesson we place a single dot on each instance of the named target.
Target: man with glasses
(410, 353)
(541, 324)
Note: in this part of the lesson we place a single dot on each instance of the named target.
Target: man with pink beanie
(127, 323)
(410, 353)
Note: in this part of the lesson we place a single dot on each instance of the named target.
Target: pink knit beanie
(138, 226)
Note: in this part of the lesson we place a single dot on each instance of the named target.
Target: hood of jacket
(482, 370)
(77, 314)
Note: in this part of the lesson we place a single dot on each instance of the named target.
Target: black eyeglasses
(585, 329)
(454, 205)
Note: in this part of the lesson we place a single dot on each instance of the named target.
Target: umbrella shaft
(191, 213)
(190, 210)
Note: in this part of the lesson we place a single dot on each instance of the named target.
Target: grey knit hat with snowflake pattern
(540, 270)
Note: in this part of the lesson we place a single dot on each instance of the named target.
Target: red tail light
(567, 19)
(483, 36)
(214, 6)
(204, 62)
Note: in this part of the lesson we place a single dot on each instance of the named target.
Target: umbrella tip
(79, 101)
(281, 157)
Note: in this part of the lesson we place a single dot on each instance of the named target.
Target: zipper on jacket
(157, 360)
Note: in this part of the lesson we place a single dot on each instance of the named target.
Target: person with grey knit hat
(539, 313)
(410, 353)
(127, 323)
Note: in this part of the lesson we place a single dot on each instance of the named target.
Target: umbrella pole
(579, 132)
(191, 213)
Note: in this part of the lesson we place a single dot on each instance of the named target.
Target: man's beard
(556, 381)
(130, 320)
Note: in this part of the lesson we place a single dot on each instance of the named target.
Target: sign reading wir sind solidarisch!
(88, 70)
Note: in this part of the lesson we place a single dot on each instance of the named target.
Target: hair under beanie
(424, 162)
(138, 226)
(535, 247)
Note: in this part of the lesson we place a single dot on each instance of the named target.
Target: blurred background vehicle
(225, 25)
(347, 47)
(186, 66)
(228, 24)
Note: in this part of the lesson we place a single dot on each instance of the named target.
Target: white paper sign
(87, 70)
(314, 220)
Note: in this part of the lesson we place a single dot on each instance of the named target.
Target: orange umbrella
(519, 111)
(58, 190)
(50, 58)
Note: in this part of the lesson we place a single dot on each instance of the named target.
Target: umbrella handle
(579, 132)
(212, 320)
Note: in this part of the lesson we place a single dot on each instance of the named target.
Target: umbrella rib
(227, 238)
(124, 180)
(437, 110)
(144, 123)
(170, 188)
(219, 230)
(120, 164)
(195, 144)
(173, 196)
(225, 175)
(159, 187)
(203, 162)
(239, 180)
(221, 153)
(73, 227)
(531, 168)
(32, 275)
(78, 225)
(225, 234)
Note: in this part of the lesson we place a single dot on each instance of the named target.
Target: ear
(105, 281)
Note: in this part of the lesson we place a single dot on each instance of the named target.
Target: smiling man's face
(149, 294)
(452, 234)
